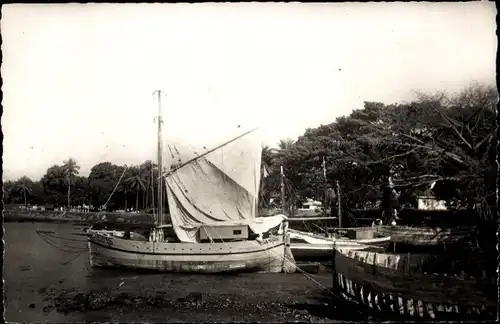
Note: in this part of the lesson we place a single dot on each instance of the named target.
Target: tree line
(443, 144)
(110, 185)
(447, 141)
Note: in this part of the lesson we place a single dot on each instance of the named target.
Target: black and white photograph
(249, 162)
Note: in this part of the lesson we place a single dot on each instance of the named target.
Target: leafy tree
(54, 185)
(80, 192)
(446, 139)
(103, 179)
(38, 195)
(8, 192)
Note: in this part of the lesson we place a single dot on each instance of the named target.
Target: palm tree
(24, 185)
(266, 160)
(70, 169)
(136, 182)
(285, 144)
(146, 170)
(267, 175)
(124, 188)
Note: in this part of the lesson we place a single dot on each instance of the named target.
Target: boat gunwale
(261, 247)
(334, 241)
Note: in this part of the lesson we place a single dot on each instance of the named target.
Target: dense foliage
(441, 139)
(60, 186)
(446, 140)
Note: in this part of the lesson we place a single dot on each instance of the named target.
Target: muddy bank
(199, 306)
(160, 304)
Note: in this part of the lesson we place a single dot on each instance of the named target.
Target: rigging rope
(116, 186)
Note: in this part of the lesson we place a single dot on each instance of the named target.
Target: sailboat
(212, 201)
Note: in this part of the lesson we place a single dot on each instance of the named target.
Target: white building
(430, 203)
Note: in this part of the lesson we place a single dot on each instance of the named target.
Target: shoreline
(14, 216)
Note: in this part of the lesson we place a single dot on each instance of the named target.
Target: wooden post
(387, 201)
(335, 274)
(408, 263)
(283, 206)
(324, 196)
(155, 217)
(69, 190)
(339, 210)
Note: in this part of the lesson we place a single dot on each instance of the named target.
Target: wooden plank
(430, 310)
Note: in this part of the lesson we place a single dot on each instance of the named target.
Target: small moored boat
(425, 236)
(309, 246)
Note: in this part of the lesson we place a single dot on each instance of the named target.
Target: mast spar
(159, 220)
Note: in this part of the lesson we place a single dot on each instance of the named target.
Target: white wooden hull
(314, 247)
(242, 256)
(306, 251)
(339, 242)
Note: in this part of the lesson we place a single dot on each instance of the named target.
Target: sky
(79, 78)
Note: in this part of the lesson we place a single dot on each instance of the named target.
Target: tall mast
(324, 188)
(159, 161)
(324, 195)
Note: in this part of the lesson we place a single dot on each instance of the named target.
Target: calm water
(35, 272)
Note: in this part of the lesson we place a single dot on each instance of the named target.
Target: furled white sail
(218, 188)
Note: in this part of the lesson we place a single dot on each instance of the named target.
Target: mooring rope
(48, 237)
(52, 234)
(64, 248)
(310, 277)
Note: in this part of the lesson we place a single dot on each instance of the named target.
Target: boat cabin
(221, 233)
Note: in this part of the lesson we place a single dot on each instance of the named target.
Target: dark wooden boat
(419, 286)
(425, 236)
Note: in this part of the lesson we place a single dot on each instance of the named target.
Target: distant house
(311, 204)
(430, 203)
